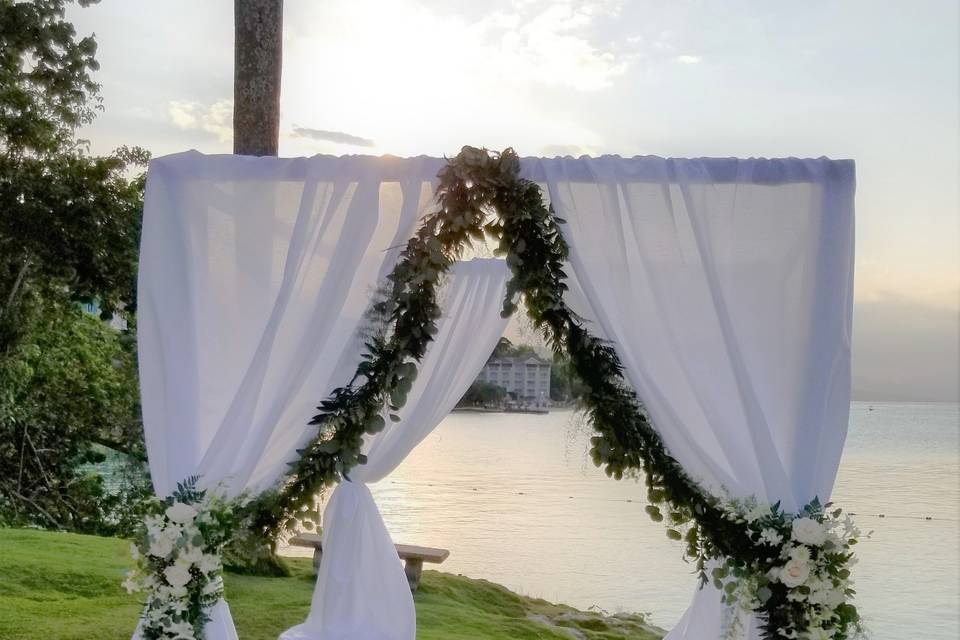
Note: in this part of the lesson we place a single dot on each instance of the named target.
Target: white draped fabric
(362, 591)
(724, 284)
(726, 288)
(254, 277)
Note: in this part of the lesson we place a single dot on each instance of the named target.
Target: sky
(862, 79)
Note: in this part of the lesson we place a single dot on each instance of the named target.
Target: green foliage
(45, 77)
(482, 392)
(68, 389)
(62, 586)
(565, 384)
(67, 220)
(69, 232)
(506, 349)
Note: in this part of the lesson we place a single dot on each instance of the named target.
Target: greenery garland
(755, 551)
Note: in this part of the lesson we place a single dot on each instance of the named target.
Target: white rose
(818, 592)
(180, 513)
(795, 595)
(809, 531)
(818, 634)
(757, 512)
(794, 573)
(209, 563)
(181, 631)
(771, 536)
(835, 598)
(191, 555)
(131, 584)
(177, 575)
(161, 547)
(799, 553)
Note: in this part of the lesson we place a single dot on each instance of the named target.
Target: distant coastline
(503, 410)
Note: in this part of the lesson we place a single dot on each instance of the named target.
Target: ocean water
(516, 500)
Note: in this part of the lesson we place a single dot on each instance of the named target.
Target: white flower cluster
(178, 569)
(809, 555)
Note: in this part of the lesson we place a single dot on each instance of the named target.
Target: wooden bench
(413, 556)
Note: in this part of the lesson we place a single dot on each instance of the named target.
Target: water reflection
(516, 500)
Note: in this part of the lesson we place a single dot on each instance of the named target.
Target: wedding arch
(707, 310)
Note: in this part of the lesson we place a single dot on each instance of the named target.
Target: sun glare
(377, 75)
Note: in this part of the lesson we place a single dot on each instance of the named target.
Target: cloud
(550, 42)
(216, 119)
(688, 59)
(506, 76)
(337, 137)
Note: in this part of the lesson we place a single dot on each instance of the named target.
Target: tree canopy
(69, 221)
(69, 234)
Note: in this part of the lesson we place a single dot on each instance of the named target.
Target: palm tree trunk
(258, 57)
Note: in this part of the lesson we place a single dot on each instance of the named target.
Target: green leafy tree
(482, 392)
(506, 349)
(65, 217)
(69, 233)
(503, 349)
(565, 384)
(68, 393)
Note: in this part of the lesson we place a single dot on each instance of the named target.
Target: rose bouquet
(800, 571)
(178, 553)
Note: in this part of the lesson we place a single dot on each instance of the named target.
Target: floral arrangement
(801, 575)
(178, 553)
(770, 563)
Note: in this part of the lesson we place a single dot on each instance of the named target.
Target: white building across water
(526, 378)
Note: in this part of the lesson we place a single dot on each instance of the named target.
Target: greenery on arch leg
(481, 197)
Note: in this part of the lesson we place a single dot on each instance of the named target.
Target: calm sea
(516, 500)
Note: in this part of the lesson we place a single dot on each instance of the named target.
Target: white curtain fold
(362, 592)
(254, 277)
(726, 288)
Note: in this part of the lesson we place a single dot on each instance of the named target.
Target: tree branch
(41, 510)
(16, 286)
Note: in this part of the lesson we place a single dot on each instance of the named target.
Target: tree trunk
(258, 53)
(16, 287)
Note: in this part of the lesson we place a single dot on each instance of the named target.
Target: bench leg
(317, 557)
(413, 568)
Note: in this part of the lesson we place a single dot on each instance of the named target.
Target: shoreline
(536, 410)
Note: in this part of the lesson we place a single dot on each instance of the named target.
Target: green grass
(63, 586)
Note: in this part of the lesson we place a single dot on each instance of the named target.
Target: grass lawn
(64, 586)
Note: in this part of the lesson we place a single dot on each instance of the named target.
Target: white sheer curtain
(362, 592)
(726, 286)
(254, 277)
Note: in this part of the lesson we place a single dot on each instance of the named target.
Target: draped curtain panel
(726, 287)
(362, 592)
(255, 274)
